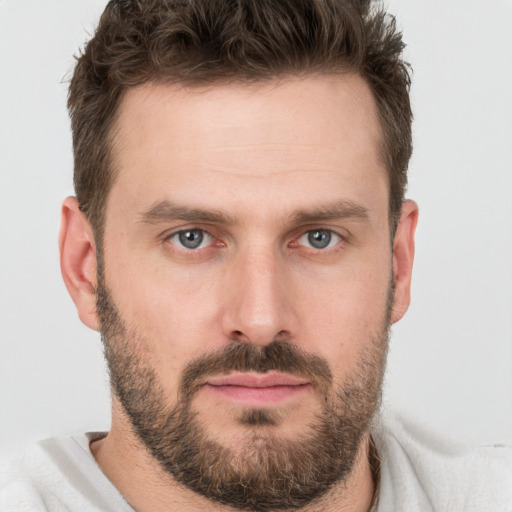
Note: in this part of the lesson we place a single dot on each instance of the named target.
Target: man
(241, 240)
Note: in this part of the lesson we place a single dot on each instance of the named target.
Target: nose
(257, 306)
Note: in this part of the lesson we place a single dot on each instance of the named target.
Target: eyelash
(338, 238)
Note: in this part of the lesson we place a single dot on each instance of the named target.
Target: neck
(148, 488)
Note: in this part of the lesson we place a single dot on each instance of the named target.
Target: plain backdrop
(450, 362)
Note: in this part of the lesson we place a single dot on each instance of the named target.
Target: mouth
(257, 390)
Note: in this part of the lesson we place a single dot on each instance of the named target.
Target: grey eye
(319, 238)
(191, 239)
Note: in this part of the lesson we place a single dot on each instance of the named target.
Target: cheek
(344, 316)
(175, 310)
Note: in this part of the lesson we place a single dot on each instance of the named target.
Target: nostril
(239, 337)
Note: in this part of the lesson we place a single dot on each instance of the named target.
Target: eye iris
(191, 239)
(319, 239)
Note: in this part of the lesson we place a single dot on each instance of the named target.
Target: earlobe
(403, 257)
(78, 261)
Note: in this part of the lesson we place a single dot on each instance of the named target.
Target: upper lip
(257, 380)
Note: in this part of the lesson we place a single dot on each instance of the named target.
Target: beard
(267, 471)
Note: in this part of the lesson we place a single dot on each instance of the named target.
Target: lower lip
(259, 397)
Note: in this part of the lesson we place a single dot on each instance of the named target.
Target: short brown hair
(198, 42)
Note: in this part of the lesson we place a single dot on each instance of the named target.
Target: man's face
(245, 290)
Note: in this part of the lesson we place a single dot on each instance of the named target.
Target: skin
(268, 157)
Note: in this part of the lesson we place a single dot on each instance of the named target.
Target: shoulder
(25, 479)
(422, 470)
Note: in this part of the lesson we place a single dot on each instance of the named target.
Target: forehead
(277, 140)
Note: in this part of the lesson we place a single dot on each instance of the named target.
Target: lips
(257, 390)
(254, 380)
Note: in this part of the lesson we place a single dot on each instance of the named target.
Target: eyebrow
(332, 211)
(165, 211)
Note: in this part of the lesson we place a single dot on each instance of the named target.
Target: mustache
(244, 357)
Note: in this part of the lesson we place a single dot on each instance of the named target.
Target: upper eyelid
(169, 233)
(329, 230)
(341, 232)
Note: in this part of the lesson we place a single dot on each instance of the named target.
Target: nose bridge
(258, 310)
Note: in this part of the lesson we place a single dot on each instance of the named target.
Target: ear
(403, 257)
(78, 261)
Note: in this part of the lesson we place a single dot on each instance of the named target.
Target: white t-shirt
(419, 472)
(424, 472)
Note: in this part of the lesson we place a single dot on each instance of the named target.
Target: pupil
(319, 239)
(191, 239)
